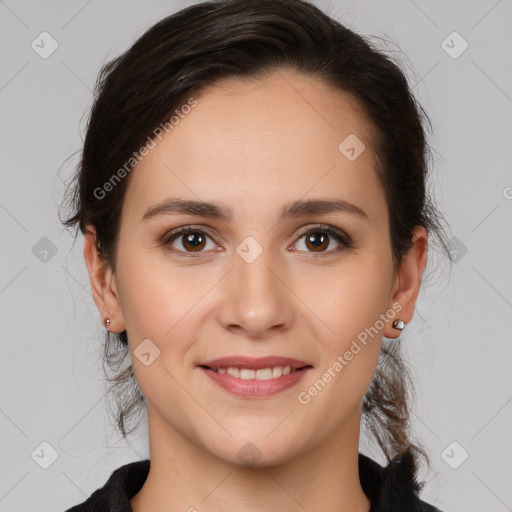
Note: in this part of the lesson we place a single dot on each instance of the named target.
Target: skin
(254, 146)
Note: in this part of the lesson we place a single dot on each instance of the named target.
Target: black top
(389, 489)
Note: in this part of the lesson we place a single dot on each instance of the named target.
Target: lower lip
(253, 387)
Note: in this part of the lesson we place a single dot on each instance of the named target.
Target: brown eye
(188, 240)
(194, 241)
(317, 241)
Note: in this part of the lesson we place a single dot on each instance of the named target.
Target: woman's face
(254, 283)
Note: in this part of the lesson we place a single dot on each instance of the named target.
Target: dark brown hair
(248, 39)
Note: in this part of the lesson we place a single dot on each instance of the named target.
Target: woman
(252, 192)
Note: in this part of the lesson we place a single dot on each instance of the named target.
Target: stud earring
(107, 323)
(399, 325)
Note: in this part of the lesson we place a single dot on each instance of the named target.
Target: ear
(408, 281)
(103, 284)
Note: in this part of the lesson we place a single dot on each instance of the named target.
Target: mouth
(260, 381)
(267, 373)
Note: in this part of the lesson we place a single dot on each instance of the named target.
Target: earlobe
(409, 280)
(103, 286)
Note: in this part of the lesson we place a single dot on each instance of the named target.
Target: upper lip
(254, 363)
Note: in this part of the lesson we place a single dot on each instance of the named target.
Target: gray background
(51, 380)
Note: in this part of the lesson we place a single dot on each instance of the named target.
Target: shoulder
(115, 495)
(394, 487)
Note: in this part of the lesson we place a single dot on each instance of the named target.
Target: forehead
(248, 142)
(241, 114)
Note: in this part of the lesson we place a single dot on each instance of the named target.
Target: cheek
(157, 307)
(348, 298)
(350, 302)
(153, 296)
(350, 350)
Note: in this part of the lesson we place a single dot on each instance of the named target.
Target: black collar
(393, 488)
(390, 489)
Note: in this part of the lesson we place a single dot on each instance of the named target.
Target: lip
(254, 388)
(254, 363)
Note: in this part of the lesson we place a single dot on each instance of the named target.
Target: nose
(256, 299)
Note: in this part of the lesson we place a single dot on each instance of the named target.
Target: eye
(319, 238)
(189, 240)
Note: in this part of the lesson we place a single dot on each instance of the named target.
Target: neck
(185, 476)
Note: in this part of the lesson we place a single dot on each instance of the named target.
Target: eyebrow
(175, 206)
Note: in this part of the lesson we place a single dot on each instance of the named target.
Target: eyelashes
(330, 231)
(197, 240)
(169, 238)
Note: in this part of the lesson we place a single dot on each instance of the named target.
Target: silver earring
(107, 323)
(399, 325)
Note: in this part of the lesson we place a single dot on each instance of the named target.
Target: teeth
(246, 374)
(268, 373)
(261, 374)
(234, 372)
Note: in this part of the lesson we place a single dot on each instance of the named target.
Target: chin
(256, 451)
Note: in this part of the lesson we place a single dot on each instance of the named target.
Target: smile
(259, 383)
(260, 374)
